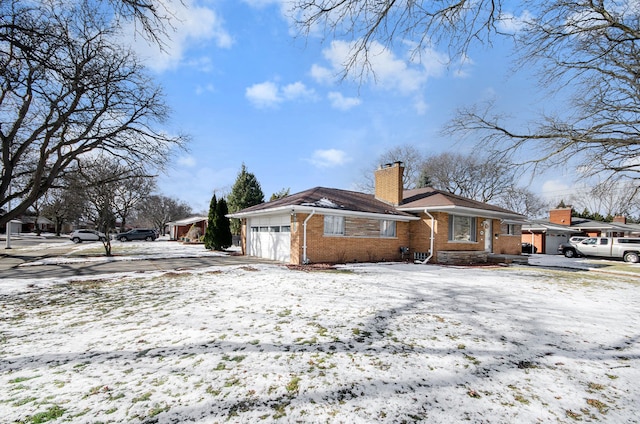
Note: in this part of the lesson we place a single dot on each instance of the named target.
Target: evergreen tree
(280, 194)
(209, 234)
(222, 228)
(424, 180)
(246, 192)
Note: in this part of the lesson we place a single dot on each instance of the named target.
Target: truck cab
(626, 248)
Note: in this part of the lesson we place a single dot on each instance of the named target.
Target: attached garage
(269, 237)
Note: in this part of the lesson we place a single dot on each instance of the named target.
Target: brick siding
(361, 242)
(561, 216)
(388, 183)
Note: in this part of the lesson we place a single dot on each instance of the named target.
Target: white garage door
(553, 241)
(270, 237)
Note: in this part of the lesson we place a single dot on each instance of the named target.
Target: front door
(488, 235)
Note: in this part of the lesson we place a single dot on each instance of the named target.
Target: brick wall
(507, 244)
(388, 183)
(361, 242)
(421, 233)
(560, 216)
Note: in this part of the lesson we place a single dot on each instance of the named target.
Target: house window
(462, 228)
(387, 228)
(333, 225)
(511, 229)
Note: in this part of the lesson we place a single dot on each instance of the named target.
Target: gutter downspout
(305, 260)
(433, 220)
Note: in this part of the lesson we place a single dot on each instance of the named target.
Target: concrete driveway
(28, 260)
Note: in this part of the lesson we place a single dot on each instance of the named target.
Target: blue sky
(248, 90)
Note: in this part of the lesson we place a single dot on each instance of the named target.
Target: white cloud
(264, 94)
(511, 24)
(261, 3)
(187, 161)
(388, 71)
(297, 90)
(269, 94)
(421, 106)
(322, 75)
(552, 189)
(329, 158)
(338, 101)
(208, 88)
(191, 23)
(433, 62)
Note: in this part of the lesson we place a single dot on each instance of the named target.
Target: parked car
(78, 236)
(137, 234)
(626, 248)
(569, 249)
(529, 248)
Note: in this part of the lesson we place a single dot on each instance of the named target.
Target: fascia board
(473, 212)
(324, 211)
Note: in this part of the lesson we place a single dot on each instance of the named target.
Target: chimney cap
(391, 164)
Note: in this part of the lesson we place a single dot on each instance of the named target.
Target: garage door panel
(270, 238)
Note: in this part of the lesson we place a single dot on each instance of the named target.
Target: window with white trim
(333, 225)
(387, 228)
(462, 228)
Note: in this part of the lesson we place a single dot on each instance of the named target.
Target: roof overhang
(543, 228)
(510, 218)
(188, 221)
(292, 209)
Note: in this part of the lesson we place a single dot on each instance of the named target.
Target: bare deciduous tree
(472, 176)
(63, 205)
(610, 198)
(112, 189)
(422, 23)
(158, 210)
(70, 92)
(411, 159)
(523, 201)
(588, 50)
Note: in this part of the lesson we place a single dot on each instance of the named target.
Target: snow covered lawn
(369, 343)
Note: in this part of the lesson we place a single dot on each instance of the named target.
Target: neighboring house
(179, 229)
(29, 224)
(546, 235)
(338, 226)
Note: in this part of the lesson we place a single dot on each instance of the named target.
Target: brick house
(547, 235)
(338, 226)
(179, 229)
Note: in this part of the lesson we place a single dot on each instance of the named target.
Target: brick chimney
(388, 181)
(560, 216)
(620, 219)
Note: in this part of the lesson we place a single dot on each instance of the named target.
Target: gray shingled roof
(430, 198)
(329, 198)
(353, 201)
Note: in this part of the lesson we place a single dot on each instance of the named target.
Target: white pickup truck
(627, 248)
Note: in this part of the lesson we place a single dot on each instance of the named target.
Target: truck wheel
(631, 257)
(569, 253)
